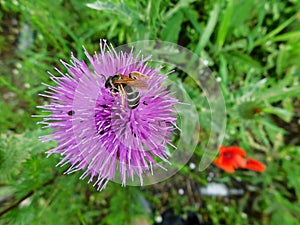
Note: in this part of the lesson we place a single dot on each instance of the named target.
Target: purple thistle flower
(95, 132)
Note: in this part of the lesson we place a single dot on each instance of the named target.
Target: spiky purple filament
(95, 133)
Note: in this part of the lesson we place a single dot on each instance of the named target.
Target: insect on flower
(94, 130)
(127, 86)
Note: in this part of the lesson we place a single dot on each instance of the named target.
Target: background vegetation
(252, 46)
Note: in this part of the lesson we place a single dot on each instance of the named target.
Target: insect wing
(131, 82)
(138, 84)
(138, 75)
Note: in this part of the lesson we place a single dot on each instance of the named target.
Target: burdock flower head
(112, 117)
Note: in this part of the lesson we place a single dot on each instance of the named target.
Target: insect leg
(123, 95)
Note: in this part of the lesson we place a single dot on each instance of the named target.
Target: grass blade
(213, 18)
(225, 24)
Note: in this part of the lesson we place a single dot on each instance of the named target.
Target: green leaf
(289, 167)
(281, 59)
(205, 36)
(280, 112)
(192, 15)
(171, 31)
(284, 211)
(123, 12)
(153, 14)
(15, 149)
(238, 44)
(242, 11)
(272, 34)
(259, 134)
(276, 93)
(225, 24)
(245, 59)
(224, 74)
(290, 36)
(180, 5)
(5, 83)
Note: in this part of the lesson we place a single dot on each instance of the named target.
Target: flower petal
(240, 161)
(235, 150)
(225, 166)
(255, 165)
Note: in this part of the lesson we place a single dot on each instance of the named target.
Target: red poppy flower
(233, 157)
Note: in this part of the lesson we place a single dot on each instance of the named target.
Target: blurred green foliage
(252, 47)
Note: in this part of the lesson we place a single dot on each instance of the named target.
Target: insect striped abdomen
(133, 96)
